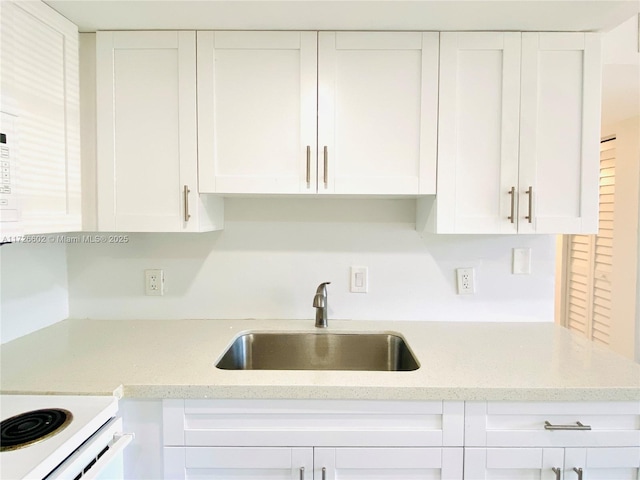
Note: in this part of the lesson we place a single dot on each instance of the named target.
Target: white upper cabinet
(518, 133)
(40, 104)
(559, 133)
(257, 100)
(478, 131)
(369, 98)
(146, 134)
(377, 112)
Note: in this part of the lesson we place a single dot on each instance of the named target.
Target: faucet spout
(320, 304)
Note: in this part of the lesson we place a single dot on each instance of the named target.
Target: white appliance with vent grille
(10, 213)
(89, 445)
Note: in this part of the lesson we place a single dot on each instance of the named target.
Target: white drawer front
(520, 424)
(317, 423)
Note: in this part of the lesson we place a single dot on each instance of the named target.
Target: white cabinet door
(513, 463)
(559, 133)
(387, 463)
(377, 112)
(244, 463)
(519, 124)
(602, 464)
(257, 112)
(478, 132)
(146, 134)
(40, 90)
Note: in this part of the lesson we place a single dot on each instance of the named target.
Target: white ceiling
(536, 15)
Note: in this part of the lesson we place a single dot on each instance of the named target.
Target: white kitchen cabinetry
(513, 463)
(40, 93)
(520, 440)
(387, 463)
(377, 112)
(518, 134)
(309, 463)
(307, 112)
(394, 440)
(257, 111)
(146, 135)
(274, 463)
(552, 463)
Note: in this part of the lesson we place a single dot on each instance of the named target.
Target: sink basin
(318, 351)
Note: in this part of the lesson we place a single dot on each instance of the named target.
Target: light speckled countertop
(176, 358)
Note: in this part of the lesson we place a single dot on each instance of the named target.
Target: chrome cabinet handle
(558, 472)
(577, 426)
(187, 215)
(326, 166)
(302, 468)
(512, 192)
(308, 166)
(324, 469)
(530, 193)
(579, 472)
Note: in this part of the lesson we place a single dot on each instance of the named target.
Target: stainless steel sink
(318, 351)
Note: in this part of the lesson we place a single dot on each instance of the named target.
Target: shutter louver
(590, 260)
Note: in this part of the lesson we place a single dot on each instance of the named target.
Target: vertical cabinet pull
(579, 472)
(530, 193)
(302, 468)
(308, 168)
(512, 192)
(324, 469)
(187, 215)
(558, 472)
(326, 166)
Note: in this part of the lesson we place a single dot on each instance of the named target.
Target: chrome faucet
(320, 304)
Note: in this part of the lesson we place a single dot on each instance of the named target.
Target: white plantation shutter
(589, 262)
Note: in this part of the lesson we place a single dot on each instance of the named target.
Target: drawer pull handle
(579, 472)
(301, 473)
(512, 192)
(558, 472)
(324, 473)
(577, 426)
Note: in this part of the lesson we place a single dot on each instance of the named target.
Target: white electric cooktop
(38, 459)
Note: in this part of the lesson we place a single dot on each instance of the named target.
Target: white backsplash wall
(33, 288)
(273, 253)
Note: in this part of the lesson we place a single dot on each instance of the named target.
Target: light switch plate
(359, 280)
(521, 261)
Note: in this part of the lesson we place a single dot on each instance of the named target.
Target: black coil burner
(31, 427)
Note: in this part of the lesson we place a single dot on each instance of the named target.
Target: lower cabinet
(313, 440)
(307, 463)
(552, 463)
(400, 440)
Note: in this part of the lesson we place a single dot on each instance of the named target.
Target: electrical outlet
(153, 282)
(466, 281)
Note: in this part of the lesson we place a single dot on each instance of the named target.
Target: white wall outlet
(153, 282)
(466, 281)
(521, 261)
(359, 280)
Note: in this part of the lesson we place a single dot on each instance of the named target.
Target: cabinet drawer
(587, 424)
(318, 423)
